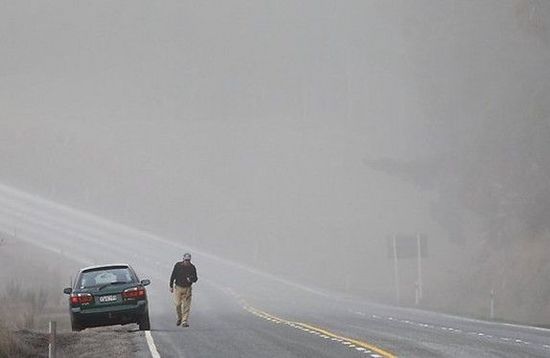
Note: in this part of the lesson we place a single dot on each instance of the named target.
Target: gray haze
(286, 133)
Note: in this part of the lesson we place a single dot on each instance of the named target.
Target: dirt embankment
(31, 294)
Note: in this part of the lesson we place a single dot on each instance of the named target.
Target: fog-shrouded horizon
(290, 133)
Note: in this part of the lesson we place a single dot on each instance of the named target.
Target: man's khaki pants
(182, 299)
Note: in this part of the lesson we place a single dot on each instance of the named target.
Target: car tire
(144, 323)
(75, 326)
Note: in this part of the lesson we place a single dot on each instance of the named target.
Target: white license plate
(111, 298)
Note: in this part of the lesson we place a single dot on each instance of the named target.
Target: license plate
(111, 298)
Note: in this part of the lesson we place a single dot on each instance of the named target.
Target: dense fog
(297, 136)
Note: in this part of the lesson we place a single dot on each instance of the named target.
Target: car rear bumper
(122, 314)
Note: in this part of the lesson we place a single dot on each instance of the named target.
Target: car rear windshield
(106, 275)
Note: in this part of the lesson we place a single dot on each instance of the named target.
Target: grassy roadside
(10, 346)
(22, 344)
(22, 311)
(31, 307)
(30, 297)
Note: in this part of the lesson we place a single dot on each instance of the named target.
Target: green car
(108, 295)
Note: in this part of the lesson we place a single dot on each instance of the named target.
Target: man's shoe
(178, 322)
(185, 324)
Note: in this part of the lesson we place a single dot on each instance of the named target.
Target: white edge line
(151, 344)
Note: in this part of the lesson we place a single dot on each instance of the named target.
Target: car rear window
(108, 275)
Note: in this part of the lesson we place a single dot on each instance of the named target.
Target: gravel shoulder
(99, 342)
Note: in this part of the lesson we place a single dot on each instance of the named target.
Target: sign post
(408, 247)
(396, 270)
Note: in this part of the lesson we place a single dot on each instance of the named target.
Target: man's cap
(187, 256)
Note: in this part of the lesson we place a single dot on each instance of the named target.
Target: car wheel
(75, 326)
(144, 323)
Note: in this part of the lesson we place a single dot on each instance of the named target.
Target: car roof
(95, 267)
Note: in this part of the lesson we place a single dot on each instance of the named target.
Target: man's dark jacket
(184, 275)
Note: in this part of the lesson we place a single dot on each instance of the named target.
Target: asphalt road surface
(239, 312)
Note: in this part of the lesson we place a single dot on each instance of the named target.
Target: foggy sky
(232, 123)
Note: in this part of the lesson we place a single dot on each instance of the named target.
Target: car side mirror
(68, 291)
(145, 282)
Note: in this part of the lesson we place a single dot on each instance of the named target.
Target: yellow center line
(356, 342)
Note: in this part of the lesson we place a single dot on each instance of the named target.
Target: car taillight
(81, 298)
(134, 292)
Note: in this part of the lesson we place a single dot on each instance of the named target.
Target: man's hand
(172, 289)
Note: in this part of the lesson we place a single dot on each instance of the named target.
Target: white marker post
(492, 305)
(396, 270)
(256, 251)
(419, 266)
(51, 345)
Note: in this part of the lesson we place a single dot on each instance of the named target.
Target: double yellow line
(355, 342)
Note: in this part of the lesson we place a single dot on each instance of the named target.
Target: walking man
(183, 276)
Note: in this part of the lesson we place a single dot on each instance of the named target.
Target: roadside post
(256, 252)
(396, 270)
(347, 282)
(419, 266)
(492, 305)
(52, 338)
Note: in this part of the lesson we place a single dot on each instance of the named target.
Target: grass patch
(11, 346)
(25, 307)
(24, 313)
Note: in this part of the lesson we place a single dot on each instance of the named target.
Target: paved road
(238, 312)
